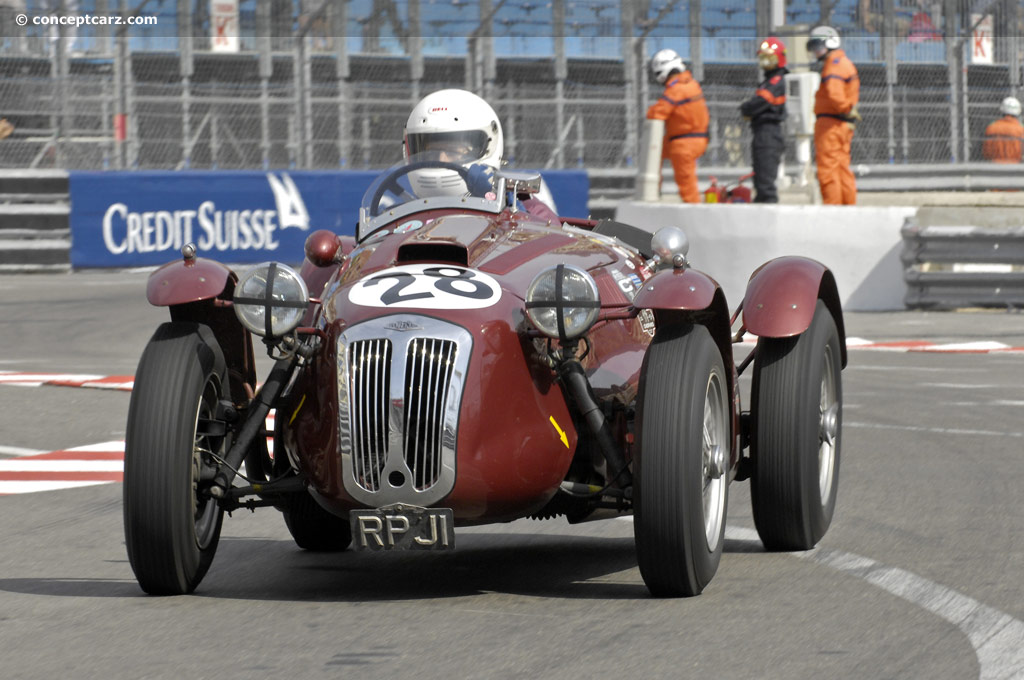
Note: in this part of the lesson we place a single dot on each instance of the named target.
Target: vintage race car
(460, 362)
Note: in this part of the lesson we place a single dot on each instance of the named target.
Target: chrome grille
(428, 371)
(400, 384)
(370, 370)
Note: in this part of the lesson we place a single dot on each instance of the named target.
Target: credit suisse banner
(138, 219)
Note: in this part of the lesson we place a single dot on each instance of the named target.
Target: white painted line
(10, 377)
(33, 487)
(966, 386)
(18, 451)
(997, 637)
(60, 465)
(935, 430)
(102, 447)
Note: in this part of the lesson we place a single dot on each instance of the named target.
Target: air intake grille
(400, 388)
(428, 371)
(370, 364)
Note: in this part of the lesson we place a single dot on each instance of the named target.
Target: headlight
(271, 299)
(563, 302)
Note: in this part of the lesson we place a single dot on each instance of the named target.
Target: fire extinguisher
(711, 195)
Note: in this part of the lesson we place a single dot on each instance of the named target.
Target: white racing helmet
(461, 128)
(663, 63)
(1010, 107)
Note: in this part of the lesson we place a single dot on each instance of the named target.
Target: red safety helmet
(771, 54)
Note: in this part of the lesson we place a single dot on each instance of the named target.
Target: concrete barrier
(861, 245)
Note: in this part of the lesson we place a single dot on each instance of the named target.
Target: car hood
(509, 247)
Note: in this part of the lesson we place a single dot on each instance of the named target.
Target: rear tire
(172, 527)
(312, 527)
(797, 403)
(681, 477)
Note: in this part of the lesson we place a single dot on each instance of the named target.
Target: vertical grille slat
(428, 373)
(370, 362)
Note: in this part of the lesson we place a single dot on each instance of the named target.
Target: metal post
(891, 72)
(954, 58)
(415, 50)
(485, 52)
(298, 107)
(59, 69)
(965, 119)
(307, 102)
(1014, 15)
(696, 54)
(631, 103)
(339, 20)
(186, 68)
(561, 72)
(120, 48)
(266, 70)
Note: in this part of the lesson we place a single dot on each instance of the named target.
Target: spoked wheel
(172, 526)
(312, 527)
(681, 482)
(797, 406)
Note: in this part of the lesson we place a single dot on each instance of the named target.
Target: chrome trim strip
(404, 376)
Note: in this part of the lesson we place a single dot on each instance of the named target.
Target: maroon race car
(460, 362)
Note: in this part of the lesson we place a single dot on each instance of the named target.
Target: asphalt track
(919, 576)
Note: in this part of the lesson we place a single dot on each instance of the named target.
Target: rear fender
(781, 296)
(197, 291)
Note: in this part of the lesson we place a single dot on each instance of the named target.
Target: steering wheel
(390, 181)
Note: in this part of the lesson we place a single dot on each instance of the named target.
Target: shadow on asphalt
(546, 566)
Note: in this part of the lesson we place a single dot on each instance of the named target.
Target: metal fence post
(891, 73)
(186, 67)
(339, 20)
(630, 114)
(265, 67)
(561, 73)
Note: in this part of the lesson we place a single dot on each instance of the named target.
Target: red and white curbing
(101, 382)
(29, 472)
(65, 469)
(979, 347)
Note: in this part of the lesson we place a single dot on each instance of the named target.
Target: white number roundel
(426, 286)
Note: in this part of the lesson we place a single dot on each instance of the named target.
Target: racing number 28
(443, 280)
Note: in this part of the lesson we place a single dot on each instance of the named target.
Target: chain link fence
(242, 84)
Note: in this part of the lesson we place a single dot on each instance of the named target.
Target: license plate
(403, 527)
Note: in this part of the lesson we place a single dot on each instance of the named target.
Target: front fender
(677, 290)
(781, 296)
(183, 281)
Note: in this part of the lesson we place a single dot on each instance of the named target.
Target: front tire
(681, 480)
(172, 527)
(797, 405)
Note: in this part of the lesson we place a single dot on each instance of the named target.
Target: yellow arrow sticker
(561, 432)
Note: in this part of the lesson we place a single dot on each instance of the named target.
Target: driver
(460, 127)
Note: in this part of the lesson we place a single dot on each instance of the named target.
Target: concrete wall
(861, 245)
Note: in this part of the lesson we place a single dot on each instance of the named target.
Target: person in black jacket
(766, 111)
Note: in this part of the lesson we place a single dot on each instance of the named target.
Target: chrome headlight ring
(271, 299)
(563, 302)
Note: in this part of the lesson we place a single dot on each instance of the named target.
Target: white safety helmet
(663, 63)
(1010, 107)
(822, 36)
(462, 128)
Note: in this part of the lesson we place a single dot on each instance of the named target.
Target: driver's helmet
(457, 126)
(771, 54)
